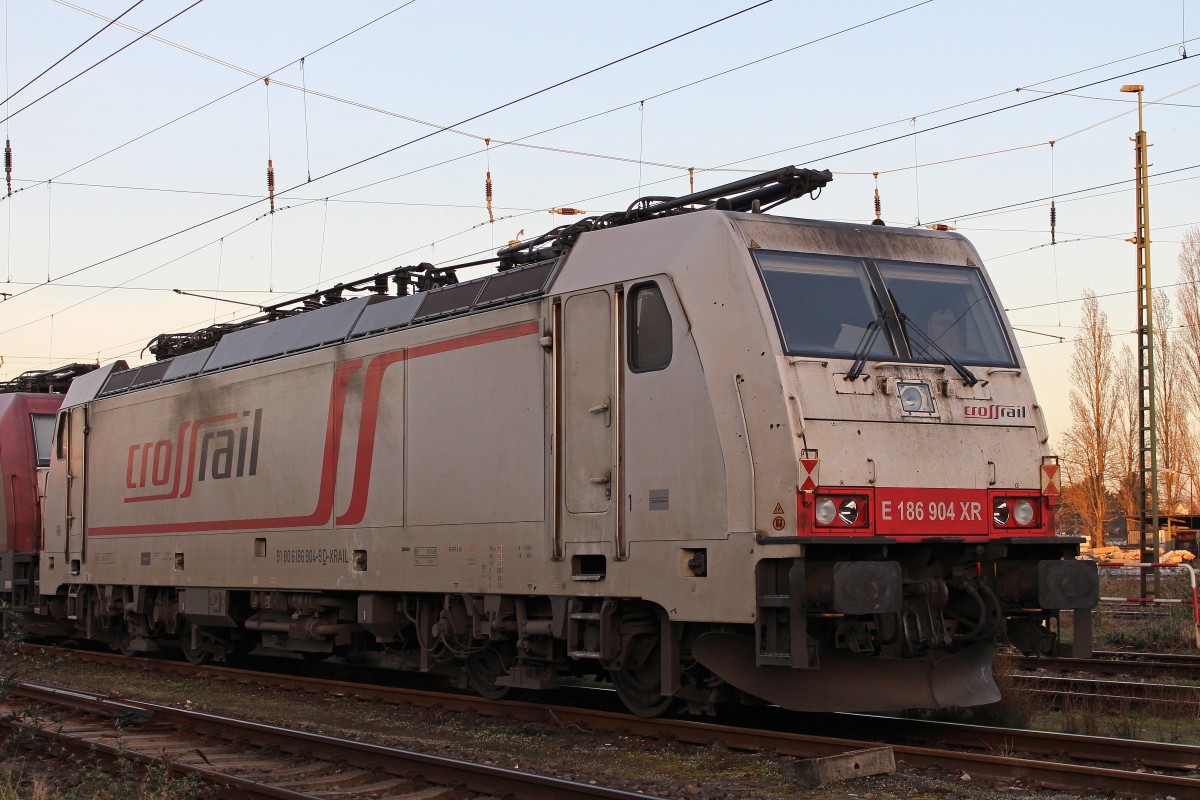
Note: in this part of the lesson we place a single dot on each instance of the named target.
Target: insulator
(8, 164)
(567, 212)
(878, 205)
(271, 183)
(940, 226)
(487, 188)
(1053, 221)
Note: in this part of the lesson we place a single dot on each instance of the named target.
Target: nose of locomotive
(846, 682)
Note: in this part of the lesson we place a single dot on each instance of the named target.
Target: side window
(60, 439)
(649, 329)
(43, 431)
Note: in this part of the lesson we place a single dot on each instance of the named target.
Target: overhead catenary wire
(377, 263)
(9, 96)
(359, 269)
(304, 98)
(230, 93)
(520, 142)
(220, 262)
(939, 126)
(691, 174)
(197, 225)
(270, 191)
(1063, 194)
(1183, 28)
(303, 88)
(415, 140)
(327, 206)
(143, 274)
(49, 218)
(10, 115)
(723, 167)
(139, 342)
(916, 176)
(611, 110)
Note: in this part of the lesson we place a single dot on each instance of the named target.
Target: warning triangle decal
(808, 474)
(1050, 479)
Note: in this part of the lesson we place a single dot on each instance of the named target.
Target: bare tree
(1188, 341)
(1172, 396)
(1124, 460)
(1088, 443)
(1188, 296)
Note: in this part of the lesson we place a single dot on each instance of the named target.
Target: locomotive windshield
(951, 307)
(824, 306)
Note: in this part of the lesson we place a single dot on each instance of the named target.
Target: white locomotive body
(709, 454)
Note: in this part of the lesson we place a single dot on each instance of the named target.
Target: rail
(1139, 768)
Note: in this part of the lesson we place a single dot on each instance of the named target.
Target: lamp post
(1148, 474)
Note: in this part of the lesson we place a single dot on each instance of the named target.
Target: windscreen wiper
(864, 349)
(910, 330)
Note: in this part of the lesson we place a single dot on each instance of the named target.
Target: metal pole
(1148, 473)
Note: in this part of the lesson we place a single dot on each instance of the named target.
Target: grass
(29, 771)
(90, 779)
(1165, 628)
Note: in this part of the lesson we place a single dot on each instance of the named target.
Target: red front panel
(913, 512)
(18, 466)
(932, 512)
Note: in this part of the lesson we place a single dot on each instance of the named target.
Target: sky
(147, 173)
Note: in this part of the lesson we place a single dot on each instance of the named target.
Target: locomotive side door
(76, 441)
(588, 419)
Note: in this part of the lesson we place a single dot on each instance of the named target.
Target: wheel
(639, 682)
(483, 668)
(194, 655)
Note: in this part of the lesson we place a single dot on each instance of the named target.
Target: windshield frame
(890, 314)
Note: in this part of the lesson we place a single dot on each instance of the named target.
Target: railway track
(1047, 759)
(256, 761)
(1152, 665)
(1160, 699)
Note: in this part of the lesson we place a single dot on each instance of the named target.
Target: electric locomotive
(28, 405)
(704, 452)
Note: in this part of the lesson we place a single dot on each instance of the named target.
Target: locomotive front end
(924, 529)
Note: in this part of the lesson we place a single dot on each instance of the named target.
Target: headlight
(1014, 512)
(915, 397)
(848, 511)
(825, 511)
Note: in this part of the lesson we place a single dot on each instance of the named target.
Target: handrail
(1143, 565)
(737, 387)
